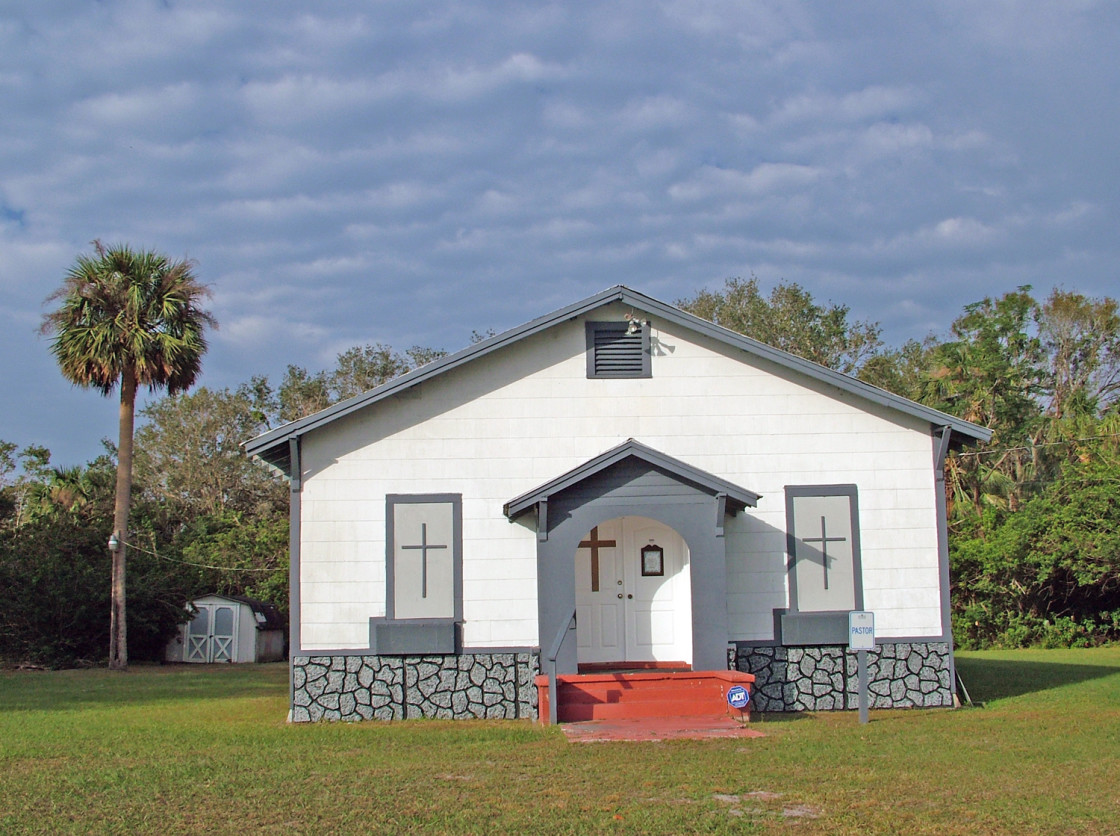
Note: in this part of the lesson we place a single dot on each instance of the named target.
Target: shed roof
(268, 615)
(273, 446)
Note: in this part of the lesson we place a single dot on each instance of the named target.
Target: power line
(134, 547)
(1030, 447)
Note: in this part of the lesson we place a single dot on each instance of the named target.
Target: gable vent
(613, 353)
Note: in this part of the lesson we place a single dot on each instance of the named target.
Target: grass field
(188, 750)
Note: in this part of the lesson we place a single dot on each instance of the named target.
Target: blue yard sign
(738, 697)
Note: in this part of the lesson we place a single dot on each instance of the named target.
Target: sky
(407, 173)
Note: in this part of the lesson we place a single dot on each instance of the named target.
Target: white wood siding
(512, 420)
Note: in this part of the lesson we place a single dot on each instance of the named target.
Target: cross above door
(594, 543)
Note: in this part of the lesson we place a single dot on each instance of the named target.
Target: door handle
(629, 596)
(620, 595)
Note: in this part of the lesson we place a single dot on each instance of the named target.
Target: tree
(789, 320)
(189, 457)
(129, 318)
(7, 467)
(358, 370)
(901, 370)
(1081, 341)
(67, 490)
(302, 393)
(55, 588)
(992, 375)
(366, 367)
(1050, 573)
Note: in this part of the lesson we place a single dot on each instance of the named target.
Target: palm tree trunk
(118, 636)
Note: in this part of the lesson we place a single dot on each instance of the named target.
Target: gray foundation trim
(775, 643)
(813, 628)
(366, 687)
(823, 678)
(413, 637)
(466, 651)
(271, 446)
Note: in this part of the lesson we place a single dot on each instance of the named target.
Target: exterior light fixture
(634, 325)
(114, 542)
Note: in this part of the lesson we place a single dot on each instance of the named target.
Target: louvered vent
(615, 353)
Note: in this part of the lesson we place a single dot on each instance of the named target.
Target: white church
(617, 485)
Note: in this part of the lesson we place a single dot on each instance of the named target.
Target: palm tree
(133, 318)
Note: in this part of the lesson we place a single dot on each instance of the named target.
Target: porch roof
(737, 497)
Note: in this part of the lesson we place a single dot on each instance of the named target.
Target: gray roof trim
(273, 620)
(271, 446)
(631, 448)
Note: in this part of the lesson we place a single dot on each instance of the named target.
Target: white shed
(229, 628)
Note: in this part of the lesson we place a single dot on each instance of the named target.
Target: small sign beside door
(653, 561)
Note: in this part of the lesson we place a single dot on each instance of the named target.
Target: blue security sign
(738, 696)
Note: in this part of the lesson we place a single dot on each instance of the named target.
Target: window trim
(594, 328)
(795, 491)
(392, 636)
(456, 502)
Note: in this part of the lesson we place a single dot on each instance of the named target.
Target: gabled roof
(267, 615)
(273, 446)
(737, 498)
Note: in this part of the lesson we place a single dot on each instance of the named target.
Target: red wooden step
(617, 696)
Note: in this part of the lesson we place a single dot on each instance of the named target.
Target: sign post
(861, 638)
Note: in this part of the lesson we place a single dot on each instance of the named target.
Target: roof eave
(265, 444)
(273, 438)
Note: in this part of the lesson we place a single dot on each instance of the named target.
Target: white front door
(633, 595)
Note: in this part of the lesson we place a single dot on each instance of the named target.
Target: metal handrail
(553, 652)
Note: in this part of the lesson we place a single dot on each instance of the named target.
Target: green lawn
(189, 750)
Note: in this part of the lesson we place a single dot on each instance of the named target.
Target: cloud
(870, 103)
(710, 182)
(334, 168)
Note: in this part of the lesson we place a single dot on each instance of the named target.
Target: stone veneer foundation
(900, 675)
(500, 685)
(478, 685)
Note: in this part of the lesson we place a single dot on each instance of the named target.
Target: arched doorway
(633, 595)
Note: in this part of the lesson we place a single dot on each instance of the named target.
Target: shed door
(223, 634)
(212, 635)
(198, 637)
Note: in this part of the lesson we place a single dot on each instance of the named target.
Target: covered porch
(583, 566)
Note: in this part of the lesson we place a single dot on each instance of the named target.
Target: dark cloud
(408, 173)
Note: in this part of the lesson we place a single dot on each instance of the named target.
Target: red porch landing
(652, 694)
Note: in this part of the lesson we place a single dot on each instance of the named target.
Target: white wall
(513, 420)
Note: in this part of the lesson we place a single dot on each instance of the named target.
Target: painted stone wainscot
(478, 685)
(900, 675)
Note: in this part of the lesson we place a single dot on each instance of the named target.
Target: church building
(616, 485)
